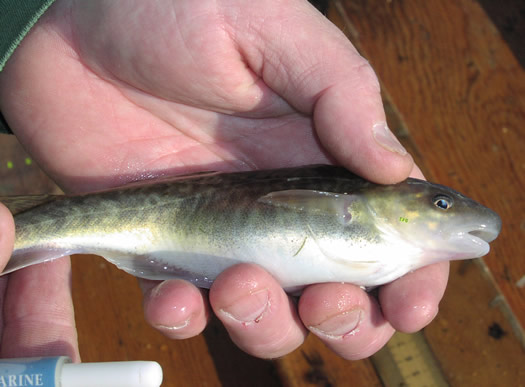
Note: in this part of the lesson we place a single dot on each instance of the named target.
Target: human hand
(104, 92)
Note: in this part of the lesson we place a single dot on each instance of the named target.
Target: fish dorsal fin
(316, 202)
(164, 179)
(18, 204)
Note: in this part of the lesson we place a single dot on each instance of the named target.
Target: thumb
(350, 122)
(310, 63)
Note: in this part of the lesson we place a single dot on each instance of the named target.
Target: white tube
(113, 374)
(60, 372)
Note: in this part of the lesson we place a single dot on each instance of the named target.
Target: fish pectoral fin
(17, 204)
(24, 258)
(319, 202)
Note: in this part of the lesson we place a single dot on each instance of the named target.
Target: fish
(304, 225)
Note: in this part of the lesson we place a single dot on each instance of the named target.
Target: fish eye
(442, 202)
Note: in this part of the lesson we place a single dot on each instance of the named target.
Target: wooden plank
(234, 367)
(313, 364)
(472, 337)
(509, 18)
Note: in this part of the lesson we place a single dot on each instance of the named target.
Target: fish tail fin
(18, 204)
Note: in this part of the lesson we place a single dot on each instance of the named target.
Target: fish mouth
(474, 241)
(485, 234)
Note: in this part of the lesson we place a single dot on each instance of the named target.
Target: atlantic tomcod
(304, 225)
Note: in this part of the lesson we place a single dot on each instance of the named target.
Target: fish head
(443, 223)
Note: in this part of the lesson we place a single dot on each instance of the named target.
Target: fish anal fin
(154, 268)
(24, 258)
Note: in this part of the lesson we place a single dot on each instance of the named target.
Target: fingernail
(156, 291)
(340, 325)
(384, 137)
(250, 308)
(174, 327)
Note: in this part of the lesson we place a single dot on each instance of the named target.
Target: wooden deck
(455, 95)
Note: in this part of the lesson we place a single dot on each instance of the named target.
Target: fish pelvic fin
(18, 204)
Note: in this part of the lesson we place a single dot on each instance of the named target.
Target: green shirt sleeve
(17, 17)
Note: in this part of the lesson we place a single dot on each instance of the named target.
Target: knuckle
(364, 76)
